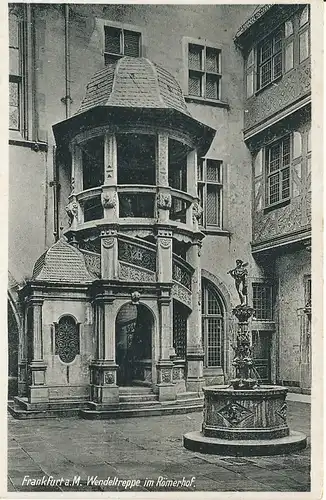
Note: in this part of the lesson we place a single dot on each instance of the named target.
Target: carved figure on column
(164, 201)
(72, 211)
(197, 211)
(109, 200)
(240, 275)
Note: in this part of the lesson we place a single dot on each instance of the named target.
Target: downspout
(67, 101)
(56, 191)
(67, 98)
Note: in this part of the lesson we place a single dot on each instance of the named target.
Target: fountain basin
(245, 422)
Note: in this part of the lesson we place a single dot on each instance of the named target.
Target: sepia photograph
(159, 297)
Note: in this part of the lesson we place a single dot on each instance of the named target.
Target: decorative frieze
(292, 86)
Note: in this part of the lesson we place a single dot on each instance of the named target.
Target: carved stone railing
(181, 272)
(138, 254)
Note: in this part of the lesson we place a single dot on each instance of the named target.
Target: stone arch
(225, 298)
(134, 337)
(221, 288)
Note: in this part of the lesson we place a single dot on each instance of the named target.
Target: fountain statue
(244, 418)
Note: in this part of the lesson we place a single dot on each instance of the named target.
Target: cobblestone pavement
(140, 449)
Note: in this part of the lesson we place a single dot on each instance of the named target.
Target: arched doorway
(212, 327)
(133, 327)
(13, 347)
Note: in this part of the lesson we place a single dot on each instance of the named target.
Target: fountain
(244, 418)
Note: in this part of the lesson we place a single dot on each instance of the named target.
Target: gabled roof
(134, 82)
(62, 263)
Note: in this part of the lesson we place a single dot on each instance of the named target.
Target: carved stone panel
(138, 255)
(128, 272)
(182, 294)
(292, 86)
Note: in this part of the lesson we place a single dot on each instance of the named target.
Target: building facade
(152, 158)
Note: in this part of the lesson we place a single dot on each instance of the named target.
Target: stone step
(134, 398)
(22, 414)
(189, 395)
(140, 412)
(133, 390)
(58, 404)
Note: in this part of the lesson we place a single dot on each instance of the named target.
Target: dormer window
(120, 42)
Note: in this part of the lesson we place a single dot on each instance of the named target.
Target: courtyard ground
(144, 448)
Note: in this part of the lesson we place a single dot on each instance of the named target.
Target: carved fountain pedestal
(244, 418)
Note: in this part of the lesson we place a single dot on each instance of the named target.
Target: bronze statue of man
(240, 274)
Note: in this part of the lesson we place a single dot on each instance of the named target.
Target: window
(204, 71)
(212, 326)
(304, 38)
(210, 188)
(278, 53)
(262, 301)
(136, 158)
(67, 342)
(269, 60)
(120, 42)
(16, 72)
(278, 160)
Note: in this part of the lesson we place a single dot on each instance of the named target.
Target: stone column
(22, 359)
(195, 353)
(109, 189)
(38, 390)
(164, 255)
(73, 208)
(191, 185)
(166, 387)
(104, 390)
(109, 253)
(163, 198)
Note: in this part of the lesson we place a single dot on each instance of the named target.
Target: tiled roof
(134, 82)
(62, 263)
(255, 16)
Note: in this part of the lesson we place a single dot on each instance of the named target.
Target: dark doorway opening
(134, 326)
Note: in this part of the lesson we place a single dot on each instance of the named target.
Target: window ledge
(216, 231)
(208, 102)
(34, 145)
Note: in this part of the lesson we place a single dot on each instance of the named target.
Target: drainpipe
(56, 189)
(67, 101)
(67, 98)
